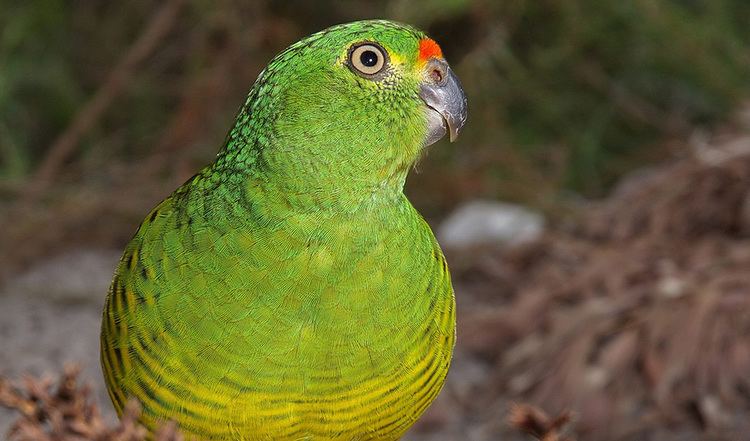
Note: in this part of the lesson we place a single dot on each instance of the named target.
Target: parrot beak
(446, 102)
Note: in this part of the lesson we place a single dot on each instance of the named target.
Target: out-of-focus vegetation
(565, 96)
(578, 88)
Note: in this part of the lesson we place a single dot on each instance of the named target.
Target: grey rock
(50, 316)
(480, 222)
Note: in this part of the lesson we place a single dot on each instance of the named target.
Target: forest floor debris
(635, 318)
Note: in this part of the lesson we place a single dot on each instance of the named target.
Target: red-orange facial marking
(429, 49)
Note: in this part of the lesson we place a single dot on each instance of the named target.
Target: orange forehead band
(429, 49)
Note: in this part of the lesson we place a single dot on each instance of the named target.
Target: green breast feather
(290, 290)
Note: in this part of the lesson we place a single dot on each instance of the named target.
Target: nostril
(437, 75)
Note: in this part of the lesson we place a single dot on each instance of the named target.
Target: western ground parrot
(289, 290)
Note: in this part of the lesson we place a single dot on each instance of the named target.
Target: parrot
(290, 290)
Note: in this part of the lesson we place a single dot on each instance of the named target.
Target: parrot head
(350, 108)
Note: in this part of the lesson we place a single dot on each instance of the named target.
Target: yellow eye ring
(367, 59)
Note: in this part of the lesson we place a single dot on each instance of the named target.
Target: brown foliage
(65, 412)
(638, 319)
(536, 423)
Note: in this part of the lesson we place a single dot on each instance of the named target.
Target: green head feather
(312, 123)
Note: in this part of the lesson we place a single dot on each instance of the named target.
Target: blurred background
(595, 211)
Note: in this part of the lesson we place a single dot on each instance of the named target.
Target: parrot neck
(306, 182)
(328, 193)
(320, 160)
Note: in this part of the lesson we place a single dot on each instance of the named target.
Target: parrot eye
(367, 59)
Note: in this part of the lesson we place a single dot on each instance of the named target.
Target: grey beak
(447, 108)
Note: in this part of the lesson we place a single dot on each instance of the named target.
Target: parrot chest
(307, 331)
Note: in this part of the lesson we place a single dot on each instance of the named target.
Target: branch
(160, 24)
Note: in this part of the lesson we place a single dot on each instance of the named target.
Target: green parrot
(289, 290)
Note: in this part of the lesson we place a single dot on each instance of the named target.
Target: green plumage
(290, 290)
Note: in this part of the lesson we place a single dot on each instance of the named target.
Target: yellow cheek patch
(396, 59)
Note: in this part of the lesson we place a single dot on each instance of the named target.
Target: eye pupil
(368, 58)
